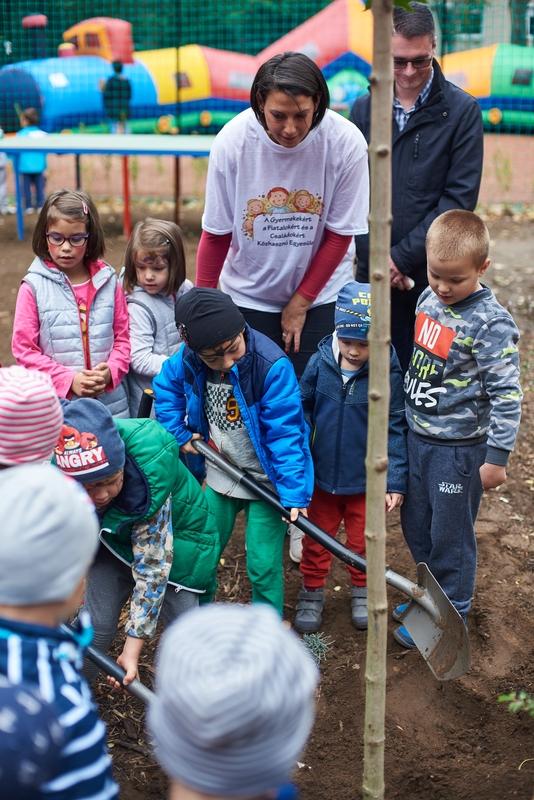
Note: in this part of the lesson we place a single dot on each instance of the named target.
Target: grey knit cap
(48, 535)
(234, 700)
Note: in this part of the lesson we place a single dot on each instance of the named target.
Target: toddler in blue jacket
(233, 386)
(334, 390)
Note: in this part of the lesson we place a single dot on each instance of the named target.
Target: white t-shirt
(276, 202)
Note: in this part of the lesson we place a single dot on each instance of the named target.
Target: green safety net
(187, 66)
(190, 63)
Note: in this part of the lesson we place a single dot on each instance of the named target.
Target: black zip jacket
(437, 165)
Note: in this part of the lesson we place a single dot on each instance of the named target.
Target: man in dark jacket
(437, 162)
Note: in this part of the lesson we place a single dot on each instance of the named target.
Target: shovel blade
(442, 641)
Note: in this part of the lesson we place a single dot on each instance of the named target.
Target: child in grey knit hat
(48, 538)
(234, 703)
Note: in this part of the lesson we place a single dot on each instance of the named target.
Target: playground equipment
(107, 144)
(197, 88)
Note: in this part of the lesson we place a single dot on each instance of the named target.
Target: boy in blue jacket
(334, 390)
(233, 386)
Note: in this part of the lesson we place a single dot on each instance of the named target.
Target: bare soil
(445, 741)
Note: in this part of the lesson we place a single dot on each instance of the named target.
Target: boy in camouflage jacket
(159, 540)
(463, 406)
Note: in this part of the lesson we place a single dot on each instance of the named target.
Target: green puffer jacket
(153, 470)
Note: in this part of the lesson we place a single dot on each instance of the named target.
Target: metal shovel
(431, 619)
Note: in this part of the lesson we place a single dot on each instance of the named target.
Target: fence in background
(189, 66)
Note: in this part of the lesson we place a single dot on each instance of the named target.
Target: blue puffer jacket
(266, 390)
(337, 413)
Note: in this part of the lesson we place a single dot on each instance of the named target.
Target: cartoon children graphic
(255, 207)
(304, 201)
(278, 200)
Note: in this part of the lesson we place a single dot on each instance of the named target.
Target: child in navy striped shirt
(49, 539)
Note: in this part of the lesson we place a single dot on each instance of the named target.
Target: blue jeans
(439, 512)
(37, 181)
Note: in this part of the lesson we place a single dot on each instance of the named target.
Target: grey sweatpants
(439, 512)
(109, 585)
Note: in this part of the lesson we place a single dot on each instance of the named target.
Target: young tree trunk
(379, 392)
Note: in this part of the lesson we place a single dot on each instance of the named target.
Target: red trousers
(328, 511)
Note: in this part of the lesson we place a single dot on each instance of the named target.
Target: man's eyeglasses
(417, 63)
(77, 240)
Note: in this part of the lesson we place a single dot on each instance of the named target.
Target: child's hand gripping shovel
(110, 667)
(431, 619)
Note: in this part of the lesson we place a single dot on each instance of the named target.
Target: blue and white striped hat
(234, 700)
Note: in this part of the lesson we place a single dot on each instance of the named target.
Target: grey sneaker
(358, 606)
(309, 614)
(295, 543)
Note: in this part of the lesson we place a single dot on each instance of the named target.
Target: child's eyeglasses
(417, 63)
(77, 240)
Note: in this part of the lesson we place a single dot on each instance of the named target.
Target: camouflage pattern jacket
(137, 527)
(462, 385)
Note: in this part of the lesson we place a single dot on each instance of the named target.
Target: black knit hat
(207, 317)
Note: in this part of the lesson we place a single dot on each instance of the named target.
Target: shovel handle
(399, 582)
(145, 404)
(110, 667)
(302, 522)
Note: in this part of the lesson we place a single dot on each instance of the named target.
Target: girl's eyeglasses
(77, 240)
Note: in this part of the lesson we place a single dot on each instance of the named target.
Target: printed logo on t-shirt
(79, 453)
(221, 407)
(282, 217)
(423, 381)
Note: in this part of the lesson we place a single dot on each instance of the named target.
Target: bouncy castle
(197, 88)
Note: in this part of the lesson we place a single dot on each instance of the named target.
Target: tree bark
(379, 394)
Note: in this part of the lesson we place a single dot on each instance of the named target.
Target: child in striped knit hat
(30, 416)
(234, 707)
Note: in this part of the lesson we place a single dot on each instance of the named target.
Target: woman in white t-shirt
(287, 190)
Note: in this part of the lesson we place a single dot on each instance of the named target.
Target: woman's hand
(293, 319)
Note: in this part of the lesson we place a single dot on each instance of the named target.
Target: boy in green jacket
(159, 541)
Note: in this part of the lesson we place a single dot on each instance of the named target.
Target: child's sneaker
(402, 636)
(310, 604)
(358, 605)
(398, 611)
(295, 543)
